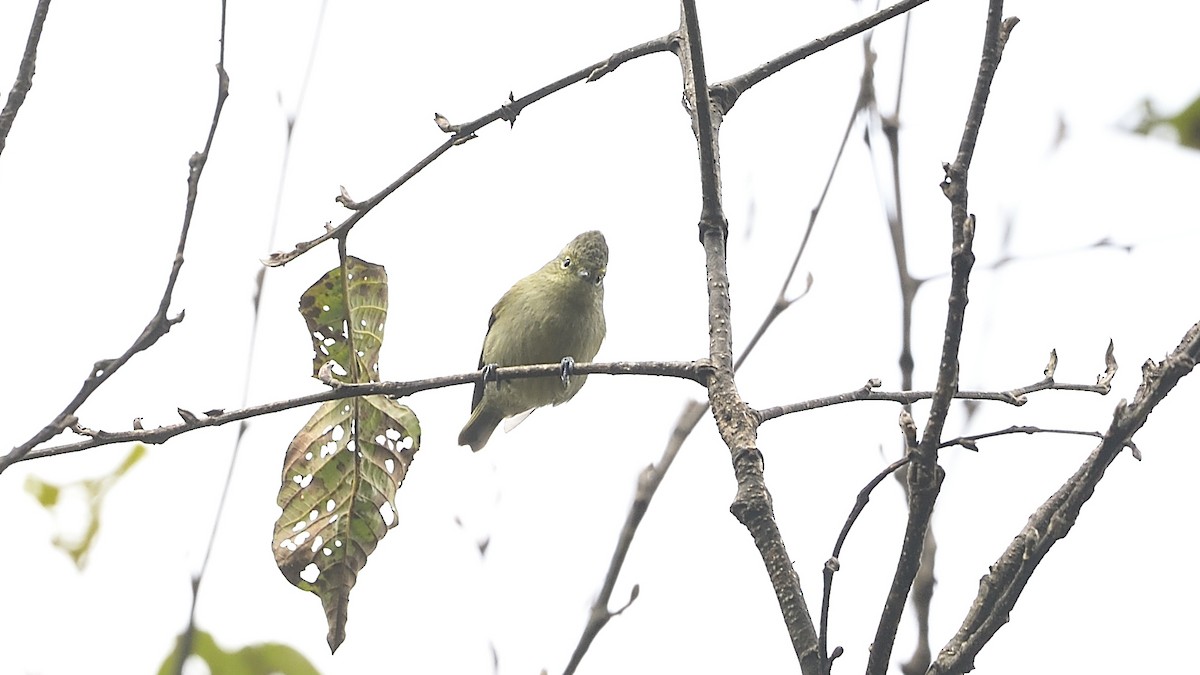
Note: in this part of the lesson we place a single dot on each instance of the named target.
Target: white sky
(92, 188)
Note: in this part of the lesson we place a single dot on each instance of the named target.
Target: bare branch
(972, 442)
(924, 474)
(187, 637)
(460, 133)
(647, 486)
(870, 392)
(696, 371)
(735, 420)
(727, 92)
(159, 324)
(16, 96)
(834, 563)
(688, 419)
(1000, 589)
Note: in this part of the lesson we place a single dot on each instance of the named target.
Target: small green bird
(554, 315)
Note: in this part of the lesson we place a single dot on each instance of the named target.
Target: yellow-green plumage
(556, 312)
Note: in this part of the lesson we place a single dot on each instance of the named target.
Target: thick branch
(736, 422)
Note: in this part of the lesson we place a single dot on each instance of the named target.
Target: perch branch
(690, 370)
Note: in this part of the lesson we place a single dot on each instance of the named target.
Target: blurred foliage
(1184, 125)
(260, 659)
(75, 539)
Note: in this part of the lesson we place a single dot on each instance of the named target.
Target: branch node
(509, 112)
(1110, 369)
(633, 595)
(1051, 365)
(344, 199)
(444, 124)
(83, 431)
(1006, 28)
(101, 367)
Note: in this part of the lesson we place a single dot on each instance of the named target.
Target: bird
(555, 315)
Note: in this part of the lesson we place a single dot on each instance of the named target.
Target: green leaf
(344, 311)
(260, 659)
(338, 496)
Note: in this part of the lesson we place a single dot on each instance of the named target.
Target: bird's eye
(566, 262)
(599, 278)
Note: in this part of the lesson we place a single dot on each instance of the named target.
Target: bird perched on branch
(555, 315)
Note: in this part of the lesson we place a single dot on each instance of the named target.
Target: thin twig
(187, 638)
(971, 442)
(648, 482)
(461, 133)
(870, 392)
(924, 474)
(726, 93)
(186, 642)
(688, 370)
(159, 324)
(834, 563)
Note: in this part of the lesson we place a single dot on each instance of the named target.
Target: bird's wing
(478, 395)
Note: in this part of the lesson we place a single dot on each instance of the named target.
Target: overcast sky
(92, 191)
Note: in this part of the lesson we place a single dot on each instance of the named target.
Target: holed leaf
(344, 312)
(338, 496)
(343, 468)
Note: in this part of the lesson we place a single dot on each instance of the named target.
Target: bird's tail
(478, 429)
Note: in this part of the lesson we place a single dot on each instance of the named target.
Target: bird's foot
(489, 372)
(565, 367)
